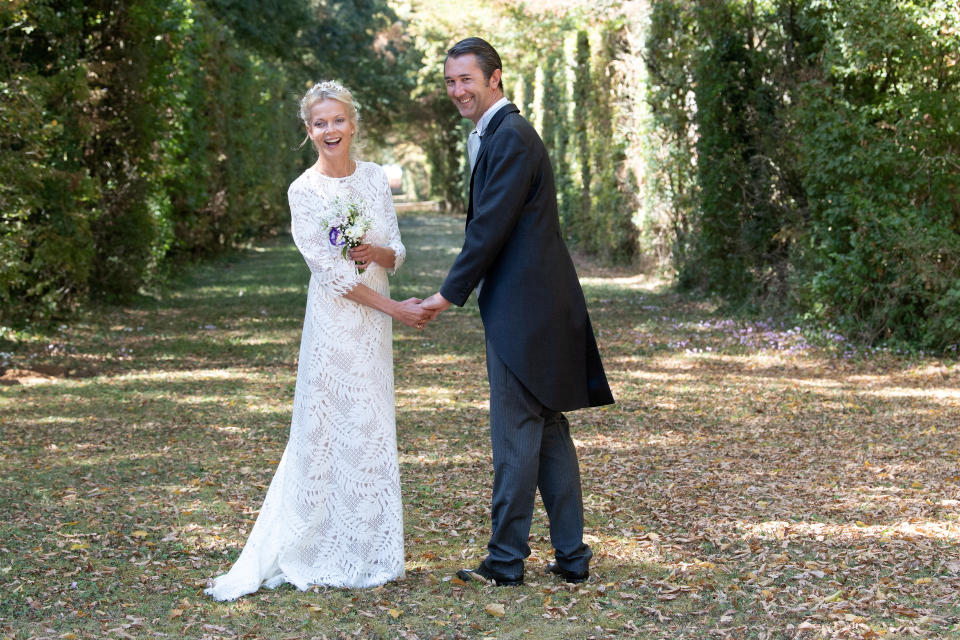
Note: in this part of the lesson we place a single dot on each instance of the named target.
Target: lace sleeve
(390, 215)
(330, 270)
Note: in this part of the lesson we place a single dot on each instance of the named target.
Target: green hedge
(135, 134)
(881, 164)
(811, 158)
(127, 130)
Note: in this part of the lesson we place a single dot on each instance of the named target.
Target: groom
(542, 357)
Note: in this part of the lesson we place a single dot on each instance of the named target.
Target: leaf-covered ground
(747, 484)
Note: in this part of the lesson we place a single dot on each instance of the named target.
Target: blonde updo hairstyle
(330, 90)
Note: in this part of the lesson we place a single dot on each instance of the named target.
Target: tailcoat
(530, 299)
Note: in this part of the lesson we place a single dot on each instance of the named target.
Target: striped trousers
(532, 449)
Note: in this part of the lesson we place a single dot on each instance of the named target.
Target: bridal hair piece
(331, 90)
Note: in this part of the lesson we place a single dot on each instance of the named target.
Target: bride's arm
(408, 311)
(367, 253)
(334, 275)
(394, 244)
(391, 255)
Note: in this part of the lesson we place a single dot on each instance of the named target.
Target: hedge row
(134, 134)
(809, 158)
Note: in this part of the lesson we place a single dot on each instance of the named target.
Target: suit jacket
(532, 306)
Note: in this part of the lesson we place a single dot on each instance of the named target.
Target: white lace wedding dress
(332, 515)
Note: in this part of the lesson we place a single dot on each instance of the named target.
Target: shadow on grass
(746, 480)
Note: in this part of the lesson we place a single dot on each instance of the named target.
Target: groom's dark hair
(487, 57)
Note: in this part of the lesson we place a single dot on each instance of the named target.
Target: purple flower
(335, 236)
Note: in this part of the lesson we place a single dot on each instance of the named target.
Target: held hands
(416, 313)
(410, 313)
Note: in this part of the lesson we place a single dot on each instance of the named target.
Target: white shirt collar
(488, 115)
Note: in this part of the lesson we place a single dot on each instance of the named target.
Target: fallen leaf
(834, 597)
(495, 609)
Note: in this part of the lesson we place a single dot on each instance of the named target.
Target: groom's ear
(495, 78)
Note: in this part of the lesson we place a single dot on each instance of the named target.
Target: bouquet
(348, 224)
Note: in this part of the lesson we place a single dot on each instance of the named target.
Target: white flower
(355, 231)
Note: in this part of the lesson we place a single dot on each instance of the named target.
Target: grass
(747, 484)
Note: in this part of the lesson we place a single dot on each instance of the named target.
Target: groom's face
(470, 91)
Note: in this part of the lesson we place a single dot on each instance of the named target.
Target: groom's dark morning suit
(542, 357)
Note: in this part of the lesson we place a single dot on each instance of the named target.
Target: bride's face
(330, 129)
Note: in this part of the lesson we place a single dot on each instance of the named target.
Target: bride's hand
(364, 255)
(410, 313)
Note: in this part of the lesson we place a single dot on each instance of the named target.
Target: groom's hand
(436, 303)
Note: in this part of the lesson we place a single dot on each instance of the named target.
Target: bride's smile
(331, 130)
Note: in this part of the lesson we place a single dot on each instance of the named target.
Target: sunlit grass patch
(741, 487)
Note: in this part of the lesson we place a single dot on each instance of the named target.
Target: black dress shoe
(568, 576)
(483, 572)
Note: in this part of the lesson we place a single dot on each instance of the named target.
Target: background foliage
(562, 68)
(794, 157)
(135, 134)
(810, 159)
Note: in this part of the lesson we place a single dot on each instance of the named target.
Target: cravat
(473, 146)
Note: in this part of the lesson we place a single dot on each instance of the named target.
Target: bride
(332, 515)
